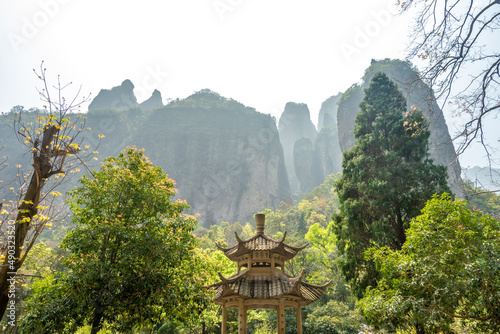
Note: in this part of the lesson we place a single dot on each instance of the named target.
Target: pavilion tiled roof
(261, 242)
(270, 285)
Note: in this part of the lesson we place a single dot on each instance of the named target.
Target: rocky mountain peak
(155, 101)
(120, 97)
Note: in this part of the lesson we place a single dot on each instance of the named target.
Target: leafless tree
(458, 41)
(52, 138)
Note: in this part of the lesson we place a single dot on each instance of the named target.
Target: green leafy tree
(333, 318)
(214, 261)
(448, 270)
(484, 200)
(131, 261)
(387, 178)
(322, 255)
(323, 244)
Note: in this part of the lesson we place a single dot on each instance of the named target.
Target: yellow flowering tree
(131, 261)
(51, 138)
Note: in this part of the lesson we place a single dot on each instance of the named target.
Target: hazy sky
(261, 53)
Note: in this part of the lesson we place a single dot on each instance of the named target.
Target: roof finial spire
(260, 221)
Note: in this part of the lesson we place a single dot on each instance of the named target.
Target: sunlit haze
(261, 53)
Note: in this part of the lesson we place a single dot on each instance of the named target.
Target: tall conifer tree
(387, 179)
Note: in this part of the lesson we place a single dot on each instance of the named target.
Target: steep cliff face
(327, 142)
(294, 123)
(226, 158)
(120, 97)
(328, 150)
(346, 116)
(307, 163)
(328, 113)
(314, 162)
(418, 95)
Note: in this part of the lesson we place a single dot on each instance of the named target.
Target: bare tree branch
(458, 39)
(51, 136)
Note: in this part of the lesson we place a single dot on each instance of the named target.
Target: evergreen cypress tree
(387, 179)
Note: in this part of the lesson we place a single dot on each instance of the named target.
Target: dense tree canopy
(131, 261)
(333, 318)
(484, 200)
(448, 269)
(387, 178)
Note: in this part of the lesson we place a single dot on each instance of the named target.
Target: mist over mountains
(483, 177)
(229, 160)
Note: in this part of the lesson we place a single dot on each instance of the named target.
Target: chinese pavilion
(261, 281)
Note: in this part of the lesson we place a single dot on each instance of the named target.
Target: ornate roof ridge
(262, 279)
(318, 286)
(312, 292)
(245, 272)
(276, 284)
(298, 249)
(222, 248)
(259, 234)
(260, 242)
(230, 279)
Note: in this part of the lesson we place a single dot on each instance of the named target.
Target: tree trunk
(400, 231)
(27, 209)
(419, 328)
(96, 321)
(4, 301)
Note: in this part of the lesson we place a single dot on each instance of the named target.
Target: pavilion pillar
(242, 317)
(224, 319)
(299, 319)
(281, 317)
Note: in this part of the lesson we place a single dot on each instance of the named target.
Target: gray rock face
(418, 95)
(328, 150)
(226, 158)
(153, 102)
(346, 116)
(328, 113)
(121, 97)
(327, 142)
(314, 162)
(307, 165)
(294, 123)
